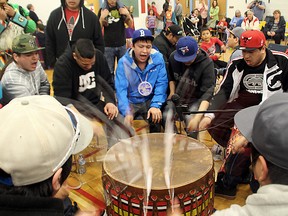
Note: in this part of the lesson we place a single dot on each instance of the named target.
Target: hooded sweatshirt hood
(63, 6)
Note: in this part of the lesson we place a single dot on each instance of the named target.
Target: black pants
(276, 38)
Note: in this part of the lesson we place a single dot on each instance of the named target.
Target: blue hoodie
(127, 81)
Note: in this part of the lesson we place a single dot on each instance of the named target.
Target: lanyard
(141, 78)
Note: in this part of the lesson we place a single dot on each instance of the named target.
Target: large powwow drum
(143, 174)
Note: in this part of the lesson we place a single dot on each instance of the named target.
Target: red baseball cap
(251, 40)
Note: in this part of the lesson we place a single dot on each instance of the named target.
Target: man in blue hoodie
(71, 21)
(141, 81)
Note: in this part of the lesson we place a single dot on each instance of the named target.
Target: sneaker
(222, 191)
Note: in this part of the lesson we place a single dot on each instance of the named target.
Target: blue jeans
(112, 53)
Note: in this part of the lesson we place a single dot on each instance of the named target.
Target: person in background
(209, 44)
(165, 6)
(151, 21)
(129, 30)
(249, 80)
(113, 20)
(221, 29)
(178, 10)
(275, 27)
(42, 136)
(24, 76)
(154, 8)
(195, 18)
(141, 81)
(169, 18)
(233, 42)
(166, 41)
(258, 7)
(239, 22)
(250, 22)
(265, 128)
(40, 38)
(203, 10)
(14, 20)
(191, 81)
(213, 14)
(67, 23)
(105, 5)
(33, 15)
(235, 19)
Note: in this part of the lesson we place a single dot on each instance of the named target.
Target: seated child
(221, 29)
(209, 44)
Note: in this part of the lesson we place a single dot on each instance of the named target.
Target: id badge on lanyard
(144, 88)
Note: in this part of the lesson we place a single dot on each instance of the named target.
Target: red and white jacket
(249, 25)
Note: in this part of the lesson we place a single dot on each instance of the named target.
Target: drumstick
(211, 111)
(148, 170)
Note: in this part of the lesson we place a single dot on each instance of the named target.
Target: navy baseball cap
(142, 34)
(186, 49)
(266, 126)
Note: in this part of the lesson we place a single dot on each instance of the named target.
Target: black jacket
(57, 37)
(11, 205)
(237, 80)
(194, 82)
(163, 45)
(281, 26)
(71, 81)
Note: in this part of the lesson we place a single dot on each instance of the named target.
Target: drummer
(250, 79)
(265, 126)
(141, 81)
(38, 137)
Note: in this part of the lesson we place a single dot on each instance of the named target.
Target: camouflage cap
(25, 43)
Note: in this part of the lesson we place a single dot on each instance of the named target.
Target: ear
(56, 180)
(262, 173)
(74, 55)
(15, 57)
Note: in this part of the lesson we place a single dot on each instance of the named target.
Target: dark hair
(276, 174)
(150, 10)
(194, 10)
(29, 6)
(205, 29)
(277, 11)
(84, 48)
(213, 3)
(41, 26)
(40, 189)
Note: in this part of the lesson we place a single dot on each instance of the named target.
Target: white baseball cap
(38, 135)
